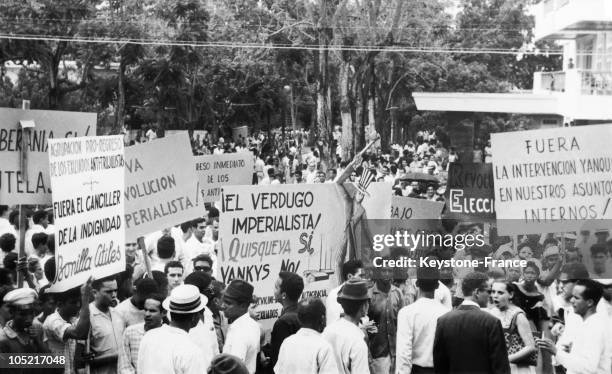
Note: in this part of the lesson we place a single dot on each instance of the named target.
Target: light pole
(289, 89)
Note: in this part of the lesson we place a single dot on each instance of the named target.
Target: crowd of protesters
(169, 313)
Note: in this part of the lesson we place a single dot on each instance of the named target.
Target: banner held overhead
(160, 191)
(552, 180)
(43, 126)
(87, 178)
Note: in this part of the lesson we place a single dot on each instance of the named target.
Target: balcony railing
(553, 81)
(596, 82)
(559, 19)
(574, 81)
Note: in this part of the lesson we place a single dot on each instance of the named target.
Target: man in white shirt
(243, 333)
(416, 326)
(584, 348)
(132, 336)
(5, 225)
(423, 148)
(352, 269)
(198, 244)
(316, 355)
(331, 175)
(344, 335)
(106, 327)
(40, 218)
(562, 305)
(151, 134)
(267, 177)
(168, 349)
(174, 232)
(131, 310)
(61, 329)
(204, 334)
(311, 174)
(259, 165)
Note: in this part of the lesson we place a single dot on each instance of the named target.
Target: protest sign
(87, 179)
(469, 192)
(161, 185)
(552, 180)
(408, 213)
(14, 189)
(268, 229)
(217, 171)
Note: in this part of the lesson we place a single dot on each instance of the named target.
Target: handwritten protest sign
(405, 211)
(161, 185)
(217, 171)
(87, 179)
(552, 180)
(267, 229)
(469, 192)
(14, 188)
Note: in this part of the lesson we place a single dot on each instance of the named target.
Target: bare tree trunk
(323, 105)
(346, 140)
(120, 107)
(53, 84)
(361, 113)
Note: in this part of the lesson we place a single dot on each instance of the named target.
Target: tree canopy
(197, 64)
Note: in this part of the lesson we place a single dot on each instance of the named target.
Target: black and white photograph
(306, 186)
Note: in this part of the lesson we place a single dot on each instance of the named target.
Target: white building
(581, 92)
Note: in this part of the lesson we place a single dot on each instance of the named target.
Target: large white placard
(552, 180)
(300, 228)
(267, 229)
(161, 185)
(87, 179)
(47, 124)
(217, 171)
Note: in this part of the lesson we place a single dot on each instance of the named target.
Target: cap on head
(227, 364)
(21, 297)
(354, 289)
(185, 299)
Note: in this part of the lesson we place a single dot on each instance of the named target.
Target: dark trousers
(416, 369)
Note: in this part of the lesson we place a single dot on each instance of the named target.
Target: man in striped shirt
(128, 354)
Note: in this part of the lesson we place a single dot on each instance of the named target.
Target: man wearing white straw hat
(169, 349)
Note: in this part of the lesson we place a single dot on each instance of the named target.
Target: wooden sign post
(23, 222)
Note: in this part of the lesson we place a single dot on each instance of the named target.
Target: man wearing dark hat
(350, 269)
(344, 335)
(168, 349)
(243, 332)
(227, 364)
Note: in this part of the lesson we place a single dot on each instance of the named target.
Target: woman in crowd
(528, 298)
(517, 331)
